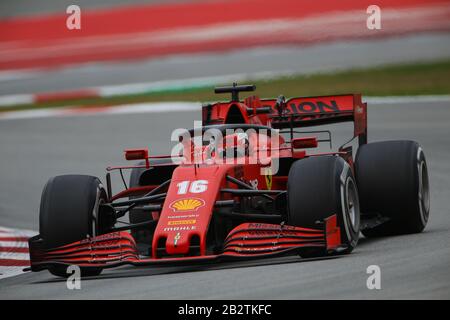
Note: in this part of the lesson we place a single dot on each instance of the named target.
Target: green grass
(395, 80)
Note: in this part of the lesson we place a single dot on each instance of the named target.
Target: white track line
(123, 109)
(166, 107)
(16, 99)
(407, 99)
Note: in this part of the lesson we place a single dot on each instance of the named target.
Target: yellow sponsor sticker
(181, 222)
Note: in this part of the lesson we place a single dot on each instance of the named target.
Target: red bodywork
(185, 217)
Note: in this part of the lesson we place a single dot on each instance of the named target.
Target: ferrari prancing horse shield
(268, 178)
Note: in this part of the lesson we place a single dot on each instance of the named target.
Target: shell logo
(189, 204)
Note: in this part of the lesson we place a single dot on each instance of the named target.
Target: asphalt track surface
(321, 57)
(412, 266)
(13, 8)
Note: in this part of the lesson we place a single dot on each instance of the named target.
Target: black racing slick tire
(319, 187)
(392, 177)
(68, 213)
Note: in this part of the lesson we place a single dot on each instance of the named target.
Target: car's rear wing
(293, 113)
(312, 111)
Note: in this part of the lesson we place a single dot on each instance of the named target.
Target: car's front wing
(247, 241)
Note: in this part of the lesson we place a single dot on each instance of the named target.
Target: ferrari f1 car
(277, 196)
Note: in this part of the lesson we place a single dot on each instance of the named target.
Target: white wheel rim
(424, 192)
(352, 204)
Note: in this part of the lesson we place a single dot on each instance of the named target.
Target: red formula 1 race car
(244, 185)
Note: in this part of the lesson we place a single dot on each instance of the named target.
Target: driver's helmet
(235, 145)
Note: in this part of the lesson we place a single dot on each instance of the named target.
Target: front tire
(319, 187)
(68, 213)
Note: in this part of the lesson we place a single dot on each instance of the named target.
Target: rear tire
(393, 181)
(68, 213)
(319, 187)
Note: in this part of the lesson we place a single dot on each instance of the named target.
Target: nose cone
(179, 241)
(183, 223)
(188, 208)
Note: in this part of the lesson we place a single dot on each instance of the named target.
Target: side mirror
(304, 143)
(138, 154)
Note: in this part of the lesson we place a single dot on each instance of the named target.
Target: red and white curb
(14, 254)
